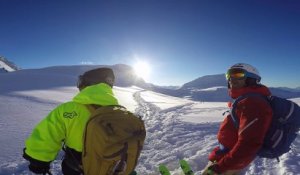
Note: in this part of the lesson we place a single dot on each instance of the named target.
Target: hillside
(7, 66)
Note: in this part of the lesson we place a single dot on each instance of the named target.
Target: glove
(216, 154)
(213, 156)
(212, 169)
(37, 166)
(133, 173)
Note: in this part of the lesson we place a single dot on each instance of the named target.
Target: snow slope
(6, 65)
(176, 128)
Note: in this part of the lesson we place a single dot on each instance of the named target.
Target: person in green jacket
(64, 126)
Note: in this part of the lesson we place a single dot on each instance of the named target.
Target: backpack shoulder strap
(93, 107)
(235, 103)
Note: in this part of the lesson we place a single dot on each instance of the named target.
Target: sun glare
(142, 69)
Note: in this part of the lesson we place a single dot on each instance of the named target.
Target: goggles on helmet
(240, 74)
(235, 74)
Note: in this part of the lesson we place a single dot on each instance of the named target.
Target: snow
(177, 128)
(125, 97)
(210, 89)
(296, 100)
(163, 101)
(5, 66)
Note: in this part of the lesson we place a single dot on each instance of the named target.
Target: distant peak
(7, 66)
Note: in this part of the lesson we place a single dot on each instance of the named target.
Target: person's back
(239, 146)
(66, 123)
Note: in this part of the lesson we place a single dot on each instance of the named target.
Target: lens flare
(142, 69)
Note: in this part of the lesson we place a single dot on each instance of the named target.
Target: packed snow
(177, 129)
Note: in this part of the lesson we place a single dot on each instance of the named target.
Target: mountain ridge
(206, 88)
(214, 88)
(7, 66)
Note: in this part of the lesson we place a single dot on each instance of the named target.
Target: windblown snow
(176, 129)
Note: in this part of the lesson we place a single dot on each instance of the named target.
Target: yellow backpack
(113, 140)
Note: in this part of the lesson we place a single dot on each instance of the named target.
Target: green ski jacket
(66, 123)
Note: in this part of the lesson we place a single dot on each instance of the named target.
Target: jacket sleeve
(255, 116)
(45, 141)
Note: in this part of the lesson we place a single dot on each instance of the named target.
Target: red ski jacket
(243, 143)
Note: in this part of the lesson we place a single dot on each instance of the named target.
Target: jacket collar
(99, 94)
(260, 89)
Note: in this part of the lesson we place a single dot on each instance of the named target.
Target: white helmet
(251, 71)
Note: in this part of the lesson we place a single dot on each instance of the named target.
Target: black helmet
(96, 76)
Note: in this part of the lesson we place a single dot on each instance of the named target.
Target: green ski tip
(164, 170)
(186, 168)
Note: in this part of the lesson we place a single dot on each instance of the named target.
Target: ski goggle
(236, 74)
(241, 74)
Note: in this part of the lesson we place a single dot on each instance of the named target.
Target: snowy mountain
(7, 66)
(177, 128)
(290, 89)
(286, 92)
(210, 88)
(62, 76)
(214, 88)
(207, 81)
(206, 88)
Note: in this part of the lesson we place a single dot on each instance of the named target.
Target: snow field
(176, 129)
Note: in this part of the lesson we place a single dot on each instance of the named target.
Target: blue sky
(181, 40)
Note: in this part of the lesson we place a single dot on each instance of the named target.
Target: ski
(164, 170)
(186, 168)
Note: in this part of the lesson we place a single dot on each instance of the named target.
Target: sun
(142, 69)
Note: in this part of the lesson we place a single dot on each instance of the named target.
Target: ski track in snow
(169, 139)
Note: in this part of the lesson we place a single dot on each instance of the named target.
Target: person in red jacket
(238, 146)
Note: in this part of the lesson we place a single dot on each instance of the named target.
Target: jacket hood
(99, 94)
(260, 89)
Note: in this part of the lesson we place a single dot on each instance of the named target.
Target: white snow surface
(210, 89)
(177, 129)
(5, 66)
